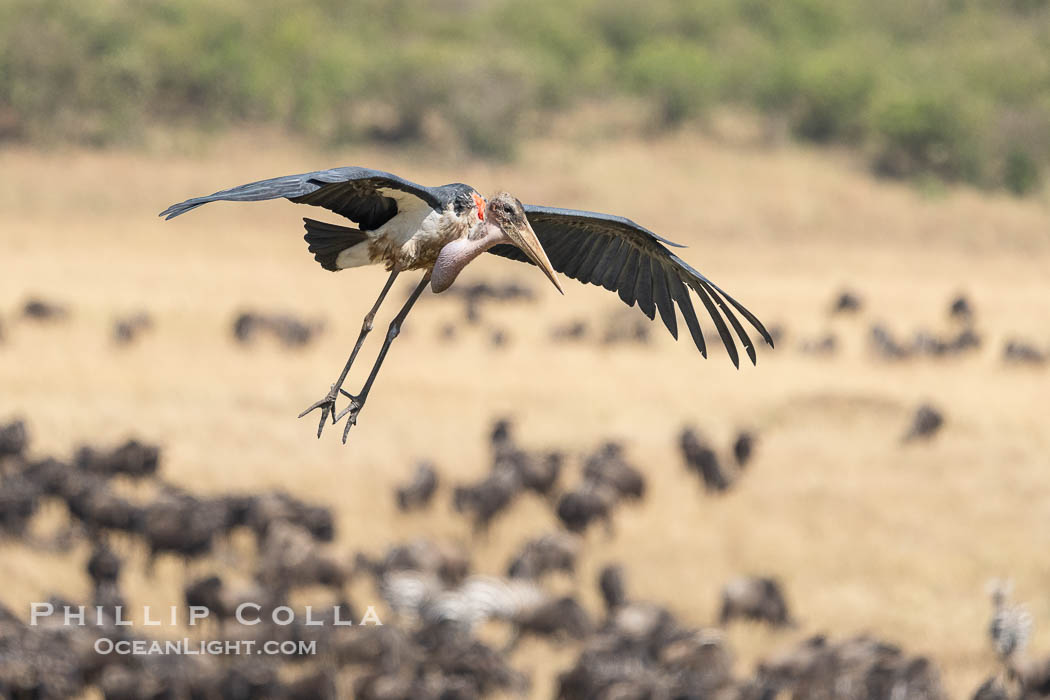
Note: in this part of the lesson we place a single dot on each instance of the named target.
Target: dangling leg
(327, 404)
(357, 402)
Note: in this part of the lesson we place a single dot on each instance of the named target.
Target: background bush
(955, 88)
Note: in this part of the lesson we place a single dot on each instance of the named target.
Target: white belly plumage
(403, 236)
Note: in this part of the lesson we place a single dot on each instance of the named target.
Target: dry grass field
(866, 534)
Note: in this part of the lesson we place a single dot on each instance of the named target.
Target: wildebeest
(447, 561)
(556, 551)
(701, 458)
(486, 499)
(847, 301)
(926, 422)
(819, 668)
(133, 459)
(1023, 353)
(743, 448)
(587, 503)
(607, 465)
(757, 598)
(41, 310)
(418, 492)
(127, 328)
(286, 328)
(13, 439)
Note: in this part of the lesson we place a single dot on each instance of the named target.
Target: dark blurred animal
(223, 602)
(1023, 353)
(821, 346)
(847, 302)
(885, 345)
(179, 523)
(91, 501)
(926, 422)
(41, 310)
(642, 651)
(13, 439)
(133, 459)
(418, 492)
(612, 586)
(104, 565)
(475, 295)
(545, 554)
(486, 499)
(537, 471)
(19, 500)
(608, 466)
(961, 309)
(260, 512)
(291, 558)
(622, 326)
(448, 562)
(287, 329)
(817, 668)
(499, 338)
(556, 618)
(701, 458)
(128, 328)
(571, 330)
(587, 503)
(743, 448)
(756, 598)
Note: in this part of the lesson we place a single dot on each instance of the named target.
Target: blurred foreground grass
(956, 89)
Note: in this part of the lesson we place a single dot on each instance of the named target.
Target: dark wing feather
(620, 255)
(351, 192)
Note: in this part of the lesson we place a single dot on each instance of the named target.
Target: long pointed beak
(530, 245)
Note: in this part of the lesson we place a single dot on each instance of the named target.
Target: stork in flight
(439, 230)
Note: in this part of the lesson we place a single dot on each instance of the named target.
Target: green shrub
(926, 130)
(679, 77)
(832, 97)
(1021, 173)
(944, 89)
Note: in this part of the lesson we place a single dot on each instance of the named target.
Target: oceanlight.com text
(190, 647)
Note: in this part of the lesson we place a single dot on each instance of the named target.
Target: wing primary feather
(593, 256)
(643, 287)
(663, 297)
(736, 304)
(745, 340)
(681, 294)
(609, 267)
(723, 331)
(572, 267)
(628, 273)
(752, 319)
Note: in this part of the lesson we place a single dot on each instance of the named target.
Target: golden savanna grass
(866, 535)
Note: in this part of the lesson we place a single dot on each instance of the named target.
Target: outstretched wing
(367, 197)
(618, 254)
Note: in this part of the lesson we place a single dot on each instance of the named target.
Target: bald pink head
(504, 222)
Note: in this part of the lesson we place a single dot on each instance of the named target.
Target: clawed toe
(327, 406)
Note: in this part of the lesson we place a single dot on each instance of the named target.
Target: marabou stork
(406, 226)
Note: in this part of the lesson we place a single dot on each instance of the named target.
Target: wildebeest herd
(449, 631)
(438, 611)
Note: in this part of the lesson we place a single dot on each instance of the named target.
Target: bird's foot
(356, 404)
(327, 406)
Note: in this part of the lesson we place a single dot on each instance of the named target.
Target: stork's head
(505, 212)
(501, 220)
